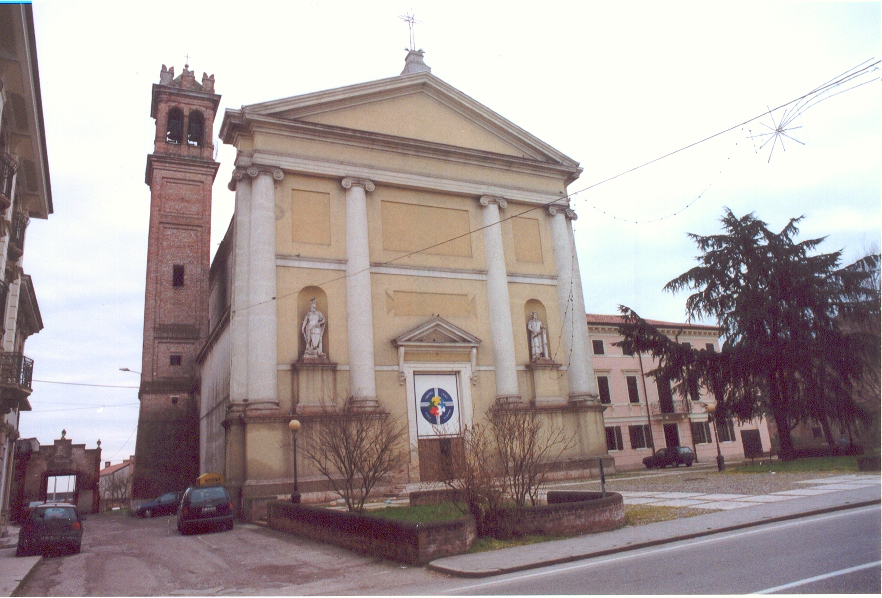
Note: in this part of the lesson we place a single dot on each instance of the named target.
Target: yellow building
(390, 239)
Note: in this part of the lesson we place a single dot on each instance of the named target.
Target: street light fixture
(128, 370)
(711, 410)
(294, 426)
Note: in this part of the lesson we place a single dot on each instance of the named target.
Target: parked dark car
(50, 527)
(167, 504)
(204, 507)
(674, 455)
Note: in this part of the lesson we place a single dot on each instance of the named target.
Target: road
(837, 552)
(834, 553)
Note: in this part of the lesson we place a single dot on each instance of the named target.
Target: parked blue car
(167, 504)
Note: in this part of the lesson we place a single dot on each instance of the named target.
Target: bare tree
(525, 444)
(354, 449)
(115, 487)
(475, 474)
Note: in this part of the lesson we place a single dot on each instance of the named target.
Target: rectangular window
(177, 275)
(633, 395)
(686, 344)
(639, 436)
(726, 431)
(598, 347)
(174, 360)
(614, 439)
(665, 398)
(709, 347)
(701, 433)
(627, 351)
(603, 387)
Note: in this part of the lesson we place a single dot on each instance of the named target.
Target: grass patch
(421, 514)
(804, 464)
(643, 514)
(485, 544)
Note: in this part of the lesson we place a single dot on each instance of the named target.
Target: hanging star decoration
(778, 131)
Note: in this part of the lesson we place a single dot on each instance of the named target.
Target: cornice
(401, 145)
(308, 166)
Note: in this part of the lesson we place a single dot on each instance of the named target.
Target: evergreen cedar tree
(795, 344)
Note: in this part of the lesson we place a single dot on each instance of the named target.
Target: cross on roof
(411, 21)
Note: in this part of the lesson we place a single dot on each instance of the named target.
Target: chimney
(106, 464)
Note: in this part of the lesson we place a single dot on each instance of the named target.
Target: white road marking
(803, 582)
(650, 551)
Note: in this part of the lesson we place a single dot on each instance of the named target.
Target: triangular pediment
(437, 332)
(418, 107)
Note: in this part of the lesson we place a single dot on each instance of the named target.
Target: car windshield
(170, 497)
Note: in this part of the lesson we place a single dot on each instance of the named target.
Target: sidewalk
(13, 569)
(509, 560)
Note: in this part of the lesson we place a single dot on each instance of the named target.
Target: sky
(612, 85)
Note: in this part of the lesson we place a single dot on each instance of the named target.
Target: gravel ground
(705, 481)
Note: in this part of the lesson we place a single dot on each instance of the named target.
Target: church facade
(392, 241)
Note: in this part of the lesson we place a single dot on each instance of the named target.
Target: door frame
(463, 372)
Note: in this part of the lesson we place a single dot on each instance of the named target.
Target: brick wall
(567, 514)
(402, 541)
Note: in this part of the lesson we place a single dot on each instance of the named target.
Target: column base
(364, 404)
(583, 399)
(508, 401)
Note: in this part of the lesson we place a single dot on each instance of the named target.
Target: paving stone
(681, 502)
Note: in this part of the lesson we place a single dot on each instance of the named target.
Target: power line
(83, 408)
(83, 384)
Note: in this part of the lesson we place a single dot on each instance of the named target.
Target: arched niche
(534, 305)
(304, 297)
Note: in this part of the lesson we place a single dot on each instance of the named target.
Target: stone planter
(566, 514)
(402, 541)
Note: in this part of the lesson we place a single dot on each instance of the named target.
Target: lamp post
(294, 426)
(711, 410)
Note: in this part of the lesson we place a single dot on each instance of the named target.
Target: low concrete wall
(402, 541)
(566, 514)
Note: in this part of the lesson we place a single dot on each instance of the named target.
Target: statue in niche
(538, 339)
(313, 329)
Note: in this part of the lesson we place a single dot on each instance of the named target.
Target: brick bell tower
(180, 173)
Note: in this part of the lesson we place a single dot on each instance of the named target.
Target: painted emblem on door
(436, 406)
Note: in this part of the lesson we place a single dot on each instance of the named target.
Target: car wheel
(76, 549)
(689, 464)
(148, 513)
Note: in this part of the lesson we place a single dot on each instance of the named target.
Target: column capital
(238, 175)
(348, 182)
(255, 171)
(555, 209)
(486, 200)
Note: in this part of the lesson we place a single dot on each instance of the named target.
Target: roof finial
(411, 21)
(186, 61)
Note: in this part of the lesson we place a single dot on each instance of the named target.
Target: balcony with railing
(17, 235)
(671, 408)
(16, 375)
(8, 166)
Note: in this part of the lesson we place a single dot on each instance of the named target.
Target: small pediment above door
(437, 332)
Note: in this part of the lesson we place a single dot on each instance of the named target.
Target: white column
(499, 304)
(261, 308)
(581, 331)
(359, 306)
(239, 311)
(580, 374)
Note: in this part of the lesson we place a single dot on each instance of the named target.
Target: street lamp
(128, 370)
(294, 426)
(711, 410)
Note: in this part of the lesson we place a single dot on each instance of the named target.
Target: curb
(591, 554)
